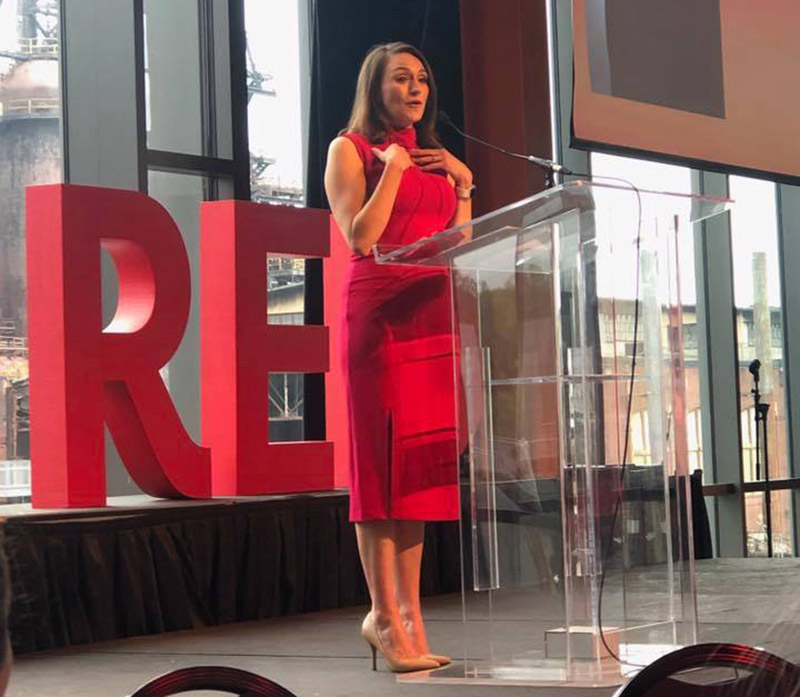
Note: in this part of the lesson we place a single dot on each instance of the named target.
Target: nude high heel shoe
(441, 660)
(394, 663)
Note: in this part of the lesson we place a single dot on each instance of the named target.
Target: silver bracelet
(465, 193)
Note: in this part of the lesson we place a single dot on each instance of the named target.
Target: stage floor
(751, 601)
(141, 504)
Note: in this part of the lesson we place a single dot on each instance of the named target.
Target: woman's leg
(409, 539)
(377, 546)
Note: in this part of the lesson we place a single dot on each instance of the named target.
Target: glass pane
(285, 305)
(756, 524)
(30, 150)
(181, 195)
(285, 407)
(759, 325)
(275, 114)
(757, 528)
(617, 323)
(176, 63)
(172, 76)
(277, 173)
(694, 438)
(285, 286)
(782, 545)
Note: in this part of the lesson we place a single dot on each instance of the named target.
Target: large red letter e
(82, 375)
(240, 349)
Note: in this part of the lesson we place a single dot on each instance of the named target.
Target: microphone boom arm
(548, 165)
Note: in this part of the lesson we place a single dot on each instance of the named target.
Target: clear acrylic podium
(557, 541)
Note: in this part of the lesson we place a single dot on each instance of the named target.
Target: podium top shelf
(519, 236)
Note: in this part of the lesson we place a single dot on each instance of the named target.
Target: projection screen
(713, 83)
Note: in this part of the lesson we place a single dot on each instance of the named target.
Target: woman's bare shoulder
(343, 144)
(344, 152)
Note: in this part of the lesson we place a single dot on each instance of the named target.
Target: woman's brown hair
(369, 117)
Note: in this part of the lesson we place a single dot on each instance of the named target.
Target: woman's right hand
(395, 156)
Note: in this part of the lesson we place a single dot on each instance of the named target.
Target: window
(640, 439)
(275, 50)
(275, 107)
(759, 317)
(694, 438)
(615, 291)
(759, 336)
(748, 430)
(188, 112)
(30, 150)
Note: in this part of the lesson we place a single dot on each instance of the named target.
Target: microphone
(443, 118)
(754, 368)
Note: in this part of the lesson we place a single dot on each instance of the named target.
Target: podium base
(585, 642)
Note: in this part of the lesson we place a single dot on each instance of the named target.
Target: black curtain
(341, 34)
(79, 578)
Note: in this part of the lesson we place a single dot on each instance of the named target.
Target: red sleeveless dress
(397, 352)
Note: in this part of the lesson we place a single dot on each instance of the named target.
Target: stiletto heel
(393, 663)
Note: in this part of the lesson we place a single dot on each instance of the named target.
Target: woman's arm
(362, 223)
(459, 175)
(463, 204)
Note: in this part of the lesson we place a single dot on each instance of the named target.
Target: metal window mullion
(719, 367)
(141, 99)
(184, 163)
(208, 95)
(561, 55)
(305, 23)
(238, 71)
(63, 91)
(788, 210)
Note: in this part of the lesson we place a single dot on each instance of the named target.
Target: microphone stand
(761, 411)
(550, 167)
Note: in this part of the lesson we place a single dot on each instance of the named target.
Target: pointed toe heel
(393, 662)
(441, 660)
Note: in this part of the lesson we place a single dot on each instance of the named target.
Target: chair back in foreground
(231, 680)
(716, 670)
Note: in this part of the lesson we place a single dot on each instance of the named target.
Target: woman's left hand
(442, 160)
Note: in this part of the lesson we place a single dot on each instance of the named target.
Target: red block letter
(336, 427)
(81, 374)
(239, 348)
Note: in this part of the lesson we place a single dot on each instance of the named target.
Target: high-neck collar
(407, 137)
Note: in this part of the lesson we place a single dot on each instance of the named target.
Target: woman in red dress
(389, 181)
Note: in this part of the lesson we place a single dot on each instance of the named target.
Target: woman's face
(405, 89)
